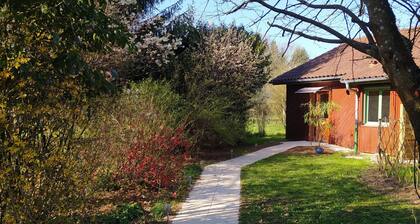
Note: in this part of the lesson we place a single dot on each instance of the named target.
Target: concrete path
(215, 198)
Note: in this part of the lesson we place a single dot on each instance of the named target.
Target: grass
(274, 132)
(316, 189)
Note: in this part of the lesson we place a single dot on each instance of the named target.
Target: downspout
(356, 116)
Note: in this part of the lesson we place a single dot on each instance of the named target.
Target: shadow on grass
(257, 139)
(321, 189)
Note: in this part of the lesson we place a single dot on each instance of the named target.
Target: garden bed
(382, 184)
(307, 150)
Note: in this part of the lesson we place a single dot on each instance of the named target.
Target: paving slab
(215, 197)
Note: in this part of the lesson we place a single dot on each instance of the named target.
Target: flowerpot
(319, 150)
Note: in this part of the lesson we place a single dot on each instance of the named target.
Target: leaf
(19, 61)
(5, 74)
(44, 8)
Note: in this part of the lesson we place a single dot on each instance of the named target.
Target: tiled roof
(342, 63)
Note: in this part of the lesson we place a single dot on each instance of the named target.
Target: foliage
(233, 60)
(316, 189)
(260, 111)
(66, 131)
(277, 94)
(106, 181)
(124, 214)
(298, 57)
(213, 125)
(159, 210)
(157, 160)
(140, 135)
(45, 89)
(270, 102)
(274, 132)
(317, 116)
(192, 170)
(221, 69)
(396, 146)
(151, 44)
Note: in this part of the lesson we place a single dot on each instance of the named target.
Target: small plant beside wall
(317, 117)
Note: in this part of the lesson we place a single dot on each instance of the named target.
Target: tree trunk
(396, 58)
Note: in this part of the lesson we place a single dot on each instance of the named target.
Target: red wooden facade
(343, 119)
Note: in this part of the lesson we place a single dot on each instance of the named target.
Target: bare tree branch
(363, 25)
(331, 41)
(362, 47)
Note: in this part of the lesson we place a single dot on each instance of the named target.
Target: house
(360, 87)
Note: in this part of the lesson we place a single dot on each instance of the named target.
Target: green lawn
(274, 132)
(316, 189)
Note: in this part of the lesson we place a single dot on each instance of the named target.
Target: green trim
(365, 106)
(377, 88)
(356, 139)
(366, 100)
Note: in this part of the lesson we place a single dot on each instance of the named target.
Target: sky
(213, 13)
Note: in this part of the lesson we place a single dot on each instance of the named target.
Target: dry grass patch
(376, 180)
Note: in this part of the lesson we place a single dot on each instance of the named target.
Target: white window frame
(366, 106)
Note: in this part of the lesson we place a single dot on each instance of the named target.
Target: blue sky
(213, 13)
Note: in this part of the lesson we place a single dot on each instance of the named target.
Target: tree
(299, 56)
(260, 111)
(219, 70)
(276, 95)
(341, 23)
(151, 47)
(46, 85)
(317, 116)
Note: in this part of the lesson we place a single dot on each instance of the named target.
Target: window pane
(385, 106)
(373, 101)
(324, 98)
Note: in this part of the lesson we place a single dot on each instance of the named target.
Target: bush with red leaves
(157, 160)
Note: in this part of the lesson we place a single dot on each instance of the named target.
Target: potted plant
(317, 117)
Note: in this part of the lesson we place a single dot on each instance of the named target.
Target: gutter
(356, 104)
(334, 78)
(292, 81)
(356, 116)
(376, 79)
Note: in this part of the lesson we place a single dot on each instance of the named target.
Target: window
(324, 98)
(376, 106)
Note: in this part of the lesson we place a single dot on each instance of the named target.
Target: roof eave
(366, 80)
(274, 82)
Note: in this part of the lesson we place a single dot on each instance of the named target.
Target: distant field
(274, 132)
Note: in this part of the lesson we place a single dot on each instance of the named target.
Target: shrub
(124, 214)
(317, 116)
(213, 126)
(220, 70)
(159, 210)
(106, 181)
(41, 171)
(192, 170)
(45, 84)
(158, 159)
(140, 136)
